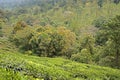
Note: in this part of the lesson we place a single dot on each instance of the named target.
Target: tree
(48, 41)
(86, 50)
(116, 1)
(87, 43)
(21, 38)
(100, 3)
(111, 32)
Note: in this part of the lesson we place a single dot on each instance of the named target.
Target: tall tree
(111, 31)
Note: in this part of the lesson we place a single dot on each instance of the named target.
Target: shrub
(99, 22)
(84, 56)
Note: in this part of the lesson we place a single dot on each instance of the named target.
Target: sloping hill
(16, 66)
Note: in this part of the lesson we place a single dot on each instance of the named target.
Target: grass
(16, 66)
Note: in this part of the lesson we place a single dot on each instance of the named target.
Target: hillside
(60, 40)
(16, 66)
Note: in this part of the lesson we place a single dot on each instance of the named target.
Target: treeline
(48, 4)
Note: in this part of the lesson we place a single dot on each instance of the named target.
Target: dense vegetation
(85, 31)
(17, 66)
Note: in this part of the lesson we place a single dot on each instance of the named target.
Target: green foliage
(19, 26)
(86, 49)
(1, 25)
(7, 74)
(100, 3)
(48, 41)
(84, 57)
(1, 33)
(47, 12)
(100, 22)
(22, 67)
(21, 38)
(87, 42)
(45, 41)
(111, 33)
(76, 15)
(116, 1)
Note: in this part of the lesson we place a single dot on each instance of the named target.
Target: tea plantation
(16, 66)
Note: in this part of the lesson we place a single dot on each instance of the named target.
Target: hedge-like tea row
(17, 66)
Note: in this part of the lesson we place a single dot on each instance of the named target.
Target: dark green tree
(116, 1)
(100, 3)
(111, 33)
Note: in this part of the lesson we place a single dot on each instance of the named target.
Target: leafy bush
(6, 74)
(83, 57)
(100, 22)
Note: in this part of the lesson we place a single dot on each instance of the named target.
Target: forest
(60, 39)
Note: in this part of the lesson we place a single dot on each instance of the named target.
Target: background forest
(84, 31)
